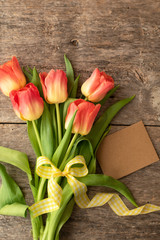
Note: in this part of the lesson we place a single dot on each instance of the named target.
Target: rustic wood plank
(97, 223)
(120, 37)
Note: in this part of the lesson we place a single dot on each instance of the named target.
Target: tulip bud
(96, 87)
(85, 116)
(11, 76)
(27, 103)
(54, 85)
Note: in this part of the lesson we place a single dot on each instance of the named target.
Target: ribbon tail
(43, 206)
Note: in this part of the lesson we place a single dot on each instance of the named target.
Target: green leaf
(82, 147)
(30, 70)
(33, 138)
(106, 181)
(70, 74)
(104, 134)
(73, 93)
(36, 81)
(34, 78)
(62, 148)
(27, 74)
(46, 133)
(109, 94)
(15, 158)
(20, 160)
(11, 201)
(102, 123)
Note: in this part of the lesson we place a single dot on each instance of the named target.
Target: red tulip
(96, 87)
(54, 85)
(84, 118)
(11, 76)
(27, 103)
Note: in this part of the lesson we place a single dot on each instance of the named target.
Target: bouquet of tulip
(64, 139)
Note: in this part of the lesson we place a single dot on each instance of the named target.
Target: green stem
(42, 180)
(40, 189)
(56, 215)
(86, 99)
(34, 227)
(40, 147)
(37, 136)
(45, 233)
(62, 166)
(69, 148)
(59, 123)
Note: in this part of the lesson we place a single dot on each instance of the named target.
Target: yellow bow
(79, 189)
(54, 190)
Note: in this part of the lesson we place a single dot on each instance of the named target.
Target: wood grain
(120, 37)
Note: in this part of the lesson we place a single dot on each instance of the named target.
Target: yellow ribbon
(79, 189)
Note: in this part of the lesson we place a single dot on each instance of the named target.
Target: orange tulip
(84, 118)
(54, 85)
(27, 103)
(96, 87)
(11, 76)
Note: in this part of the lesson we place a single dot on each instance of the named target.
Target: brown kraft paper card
(126, 151)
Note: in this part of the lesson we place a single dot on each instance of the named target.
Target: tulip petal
(101, 91)
(85, 116)
(27, 103)
(54, 86)
(71, 109)
(7, 82)
(91, 84)
(42, 76)
(11, 76)
(18, 72)
(96, 87)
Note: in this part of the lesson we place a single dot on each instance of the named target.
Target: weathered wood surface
(118, 36)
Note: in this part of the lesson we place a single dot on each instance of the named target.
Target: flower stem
(41, 150)
(34, 227)
(40, 189)
(45, 233)
(56, 215)
(42, 180)
(37, 136)
(59, 123)
(70, 147)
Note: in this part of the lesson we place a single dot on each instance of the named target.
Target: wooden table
(121, 37)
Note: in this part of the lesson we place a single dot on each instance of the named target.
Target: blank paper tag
(126, 151)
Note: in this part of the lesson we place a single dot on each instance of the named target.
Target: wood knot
(74, 42)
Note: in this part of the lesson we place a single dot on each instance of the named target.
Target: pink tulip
(54, 85)
(84, 118)
(11, 76)
(27, 103)
(97, 86)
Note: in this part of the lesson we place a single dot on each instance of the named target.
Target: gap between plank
(114, 124)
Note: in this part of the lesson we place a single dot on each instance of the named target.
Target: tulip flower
(27, 103)
(11, 76)
(85, 116)
(54, 85)
(96, 87)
